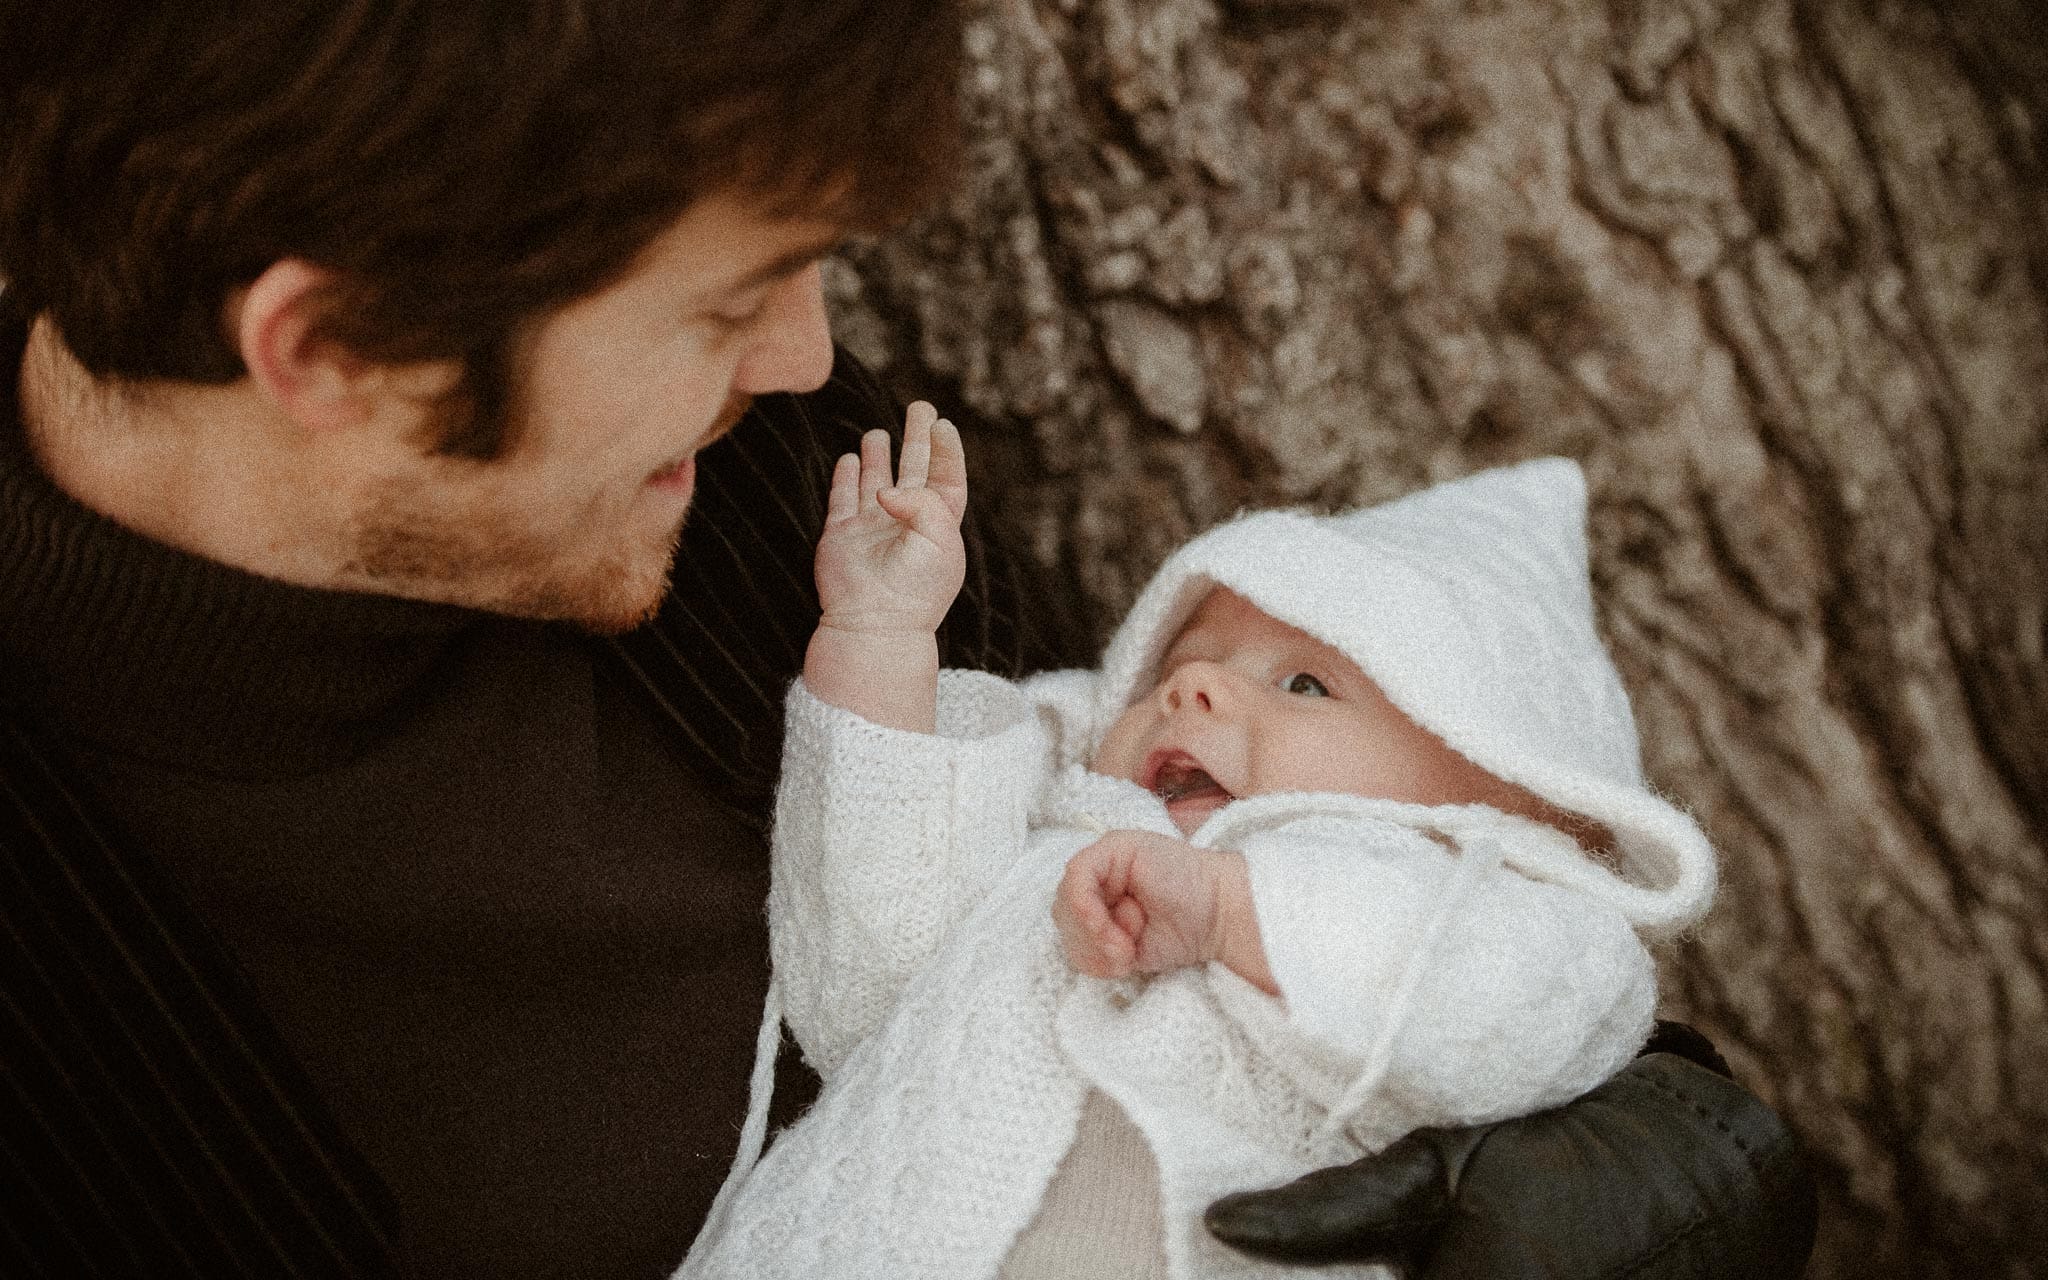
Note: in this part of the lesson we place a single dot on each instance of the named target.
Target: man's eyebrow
(787, 264)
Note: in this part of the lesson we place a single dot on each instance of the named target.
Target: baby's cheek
(1117, 756)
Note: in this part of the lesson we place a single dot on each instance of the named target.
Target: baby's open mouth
(1191, 795)
(1180, 778)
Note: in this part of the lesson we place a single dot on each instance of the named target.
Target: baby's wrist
(889, 678)
(1235, 937)
(878, 628)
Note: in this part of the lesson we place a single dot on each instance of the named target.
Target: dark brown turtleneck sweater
(491, 880)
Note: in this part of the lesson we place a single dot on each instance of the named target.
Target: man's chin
(613, 608)
(608, 599)
(618, 623)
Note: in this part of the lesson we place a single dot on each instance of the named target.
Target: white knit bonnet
(1470, 605)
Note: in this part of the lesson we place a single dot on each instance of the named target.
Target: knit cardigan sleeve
(883, 841)
(1469, 991)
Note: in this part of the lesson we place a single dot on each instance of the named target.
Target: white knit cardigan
(918, 966)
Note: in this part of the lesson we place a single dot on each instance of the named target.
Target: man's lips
(676, 477)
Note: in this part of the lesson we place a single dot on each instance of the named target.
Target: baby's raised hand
(891, 558)
(1136, 902)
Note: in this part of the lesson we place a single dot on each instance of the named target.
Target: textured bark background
(1775, 272)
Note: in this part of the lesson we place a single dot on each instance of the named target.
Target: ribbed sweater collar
(111, 637)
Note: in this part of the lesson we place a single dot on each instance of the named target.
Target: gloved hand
(1669, 1171)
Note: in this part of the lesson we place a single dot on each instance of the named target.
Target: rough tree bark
(1774, 271)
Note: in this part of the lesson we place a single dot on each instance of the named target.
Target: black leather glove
(1669, 1171)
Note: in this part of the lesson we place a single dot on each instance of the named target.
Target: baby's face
(1247, 705)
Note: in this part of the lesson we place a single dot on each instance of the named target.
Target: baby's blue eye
(1306, 685)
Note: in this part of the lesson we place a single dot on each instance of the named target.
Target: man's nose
(794, 349)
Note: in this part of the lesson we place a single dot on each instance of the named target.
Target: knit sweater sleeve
(1478, 993)
(883, 841)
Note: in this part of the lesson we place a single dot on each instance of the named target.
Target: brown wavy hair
(463, 166)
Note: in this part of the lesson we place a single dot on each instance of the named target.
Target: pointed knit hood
(1469, 604)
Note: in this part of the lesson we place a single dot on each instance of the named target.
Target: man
(365, 908)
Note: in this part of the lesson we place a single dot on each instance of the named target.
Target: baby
(1348, 836)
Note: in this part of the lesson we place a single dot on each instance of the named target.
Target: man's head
(1247, 705)
(402, 205)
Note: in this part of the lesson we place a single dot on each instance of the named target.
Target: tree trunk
(1774, 271)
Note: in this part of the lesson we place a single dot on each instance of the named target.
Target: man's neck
(194, 467)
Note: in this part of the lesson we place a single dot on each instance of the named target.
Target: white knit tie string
(754, 1132)
(1476, 859)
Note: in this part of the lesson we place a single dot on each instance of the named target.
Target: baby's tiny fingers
(1080, 936)
(919, 417)
(1084, 958)
(1086, 943)
(947, 471)
(1116, 952)
(844, 499)
(915, 463)
(1129, 918)
(922, 510)
(874, 465)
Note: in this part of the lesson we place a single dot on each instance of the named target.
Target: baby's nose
(1196, 685)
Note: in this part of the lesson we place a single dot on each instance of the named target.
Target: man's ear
(316, 381)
